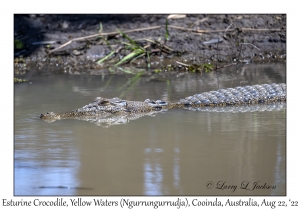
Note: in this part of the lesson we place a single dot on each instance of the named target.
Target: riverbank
(72, 43)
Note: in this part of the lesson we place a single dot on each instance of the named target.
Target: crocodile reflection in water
(107, 112)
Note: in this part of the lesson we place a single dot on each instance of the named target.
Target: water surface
(179, 152)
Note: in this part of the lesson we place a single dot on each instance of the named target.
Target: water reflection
(153, 172)
(44, 180)
(43, 164)
(176, 169)
(280, 163)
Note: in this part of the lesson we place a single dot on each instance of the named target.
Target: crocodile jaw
(50, 116)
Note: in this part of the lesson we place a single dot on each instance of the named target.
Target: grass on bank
(136, 50)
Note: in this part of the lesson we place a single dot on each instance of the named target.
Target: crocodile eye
(104, 102)
(163, 103)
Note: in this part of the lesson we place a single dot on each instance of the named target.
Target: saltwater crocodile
(117, 111)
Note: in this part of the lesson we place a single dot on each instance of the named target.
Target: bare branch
(102, 34)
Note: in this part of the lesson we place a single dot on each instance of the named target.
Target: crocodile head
(50, 116)
(103, 108)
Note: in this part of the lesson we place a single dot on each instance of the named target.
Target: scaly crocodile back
(255, 94)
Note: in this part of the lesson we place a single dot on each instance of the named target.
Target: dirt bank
(193, 39)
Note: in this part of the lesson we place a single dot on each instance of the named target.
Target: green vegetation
(206, 67)
(167, 30)
(17, 80)
(18, 44)
(136, 50)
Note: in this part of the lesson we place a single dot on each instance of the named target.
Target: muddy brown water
(179, 152)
